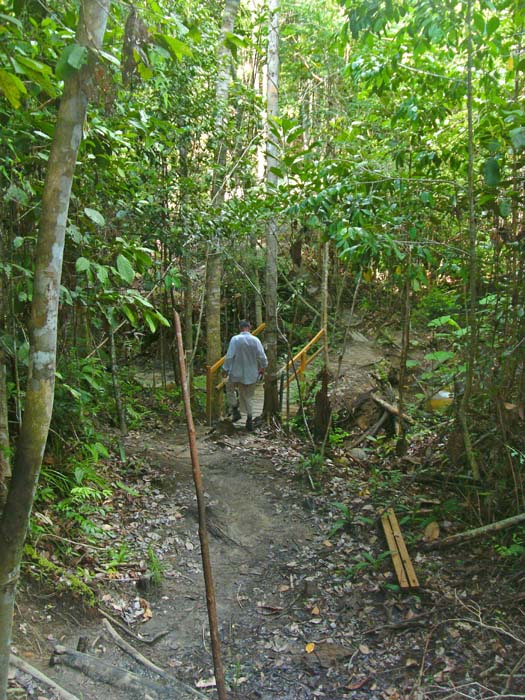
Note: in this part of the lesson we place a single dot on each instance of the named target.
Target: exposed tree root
(174, 682)
(99, 670)
(22, 665)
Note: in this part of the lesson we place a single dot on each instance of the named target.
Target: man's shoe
(249, 424)
(236, 414)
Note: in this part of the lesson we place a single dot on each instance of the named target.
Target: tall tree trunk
(214, 260)
(5, 463)
(473, 271)
(257, 284)
(324, 300)
(188, 331)
(271, 392)
(121, 413)
(44, 318)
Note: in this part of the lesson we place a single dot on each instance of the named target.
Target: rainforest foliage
(400, 149)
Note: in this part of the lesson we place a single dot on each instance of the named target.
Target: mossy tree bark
(14, 519)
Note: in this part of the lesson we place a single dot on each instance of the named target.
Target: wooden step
(398, 550)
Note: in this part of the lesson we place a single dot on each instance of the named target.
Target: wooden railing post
(302, 366)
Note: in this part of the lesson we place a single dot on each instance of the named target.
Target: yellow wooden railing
(210, 374)
(299, 362)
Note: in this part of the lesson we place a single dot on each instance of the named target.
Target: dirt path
(302, 615)
(259, 524)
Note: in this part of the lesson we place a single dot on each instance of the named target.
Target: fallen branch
(99, 670)
(22, 665)
(134, 653)
(476, 532)
(391, 409)
(401, 625)
(132, 634)
(370, 432)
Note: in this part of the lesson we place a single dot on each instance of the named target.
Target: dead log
(99, 670)
(391, 409)
(182, 689)
(476, 532)
(370, 432)
(22, 665)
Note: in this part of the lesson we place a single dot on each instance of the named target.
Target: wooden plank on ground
(394, 552)
(400, 558)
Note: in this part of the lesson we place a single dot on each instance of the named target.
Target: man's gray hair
(244, 324)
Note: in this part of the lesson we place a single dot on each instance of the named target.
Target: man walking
(245, 362)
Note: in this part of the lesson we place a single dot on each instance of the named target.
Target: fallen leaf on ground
(431, 532)
(206, 683)
(358, 684)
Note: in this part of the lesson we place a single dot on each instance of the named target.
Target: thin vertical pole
(203, 532)
(209, 389)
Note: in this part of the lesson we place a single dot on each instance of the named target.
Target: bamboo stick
(203, 533)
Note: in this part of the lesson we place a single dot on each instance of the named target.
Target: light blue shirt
(244, 359)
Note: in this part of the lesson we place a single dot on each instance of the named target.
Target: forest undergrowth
(308, 601)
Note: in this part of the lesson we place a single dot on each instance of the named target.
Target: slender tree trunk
(257, 284)
(324, 301)
(401, 445)
(44, 318)
(5, 462)
(473, 273)
(214, 260)
(121, 414)
(271, 391)
(187, 286)
(188, 331)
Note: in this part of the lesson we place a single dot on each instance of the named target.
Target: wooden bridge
(293, 369)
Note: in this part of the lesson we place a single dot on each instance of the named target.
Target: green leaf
(125, 270)
(150, 320)
(110, 58)
(505, 208)
(130, 315)
(443, 321)
(172, 280)
(492, 25)
(517, 136)
(38, 72)
(491, 172)
(12, 20)
(412, 363)
(72, 58)
(440, 355)
(145, 72)
(102, 274)
(82, 264)
(177, 48)
(12, 87)
(17, 194)
(95, 216)
(162, 319)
